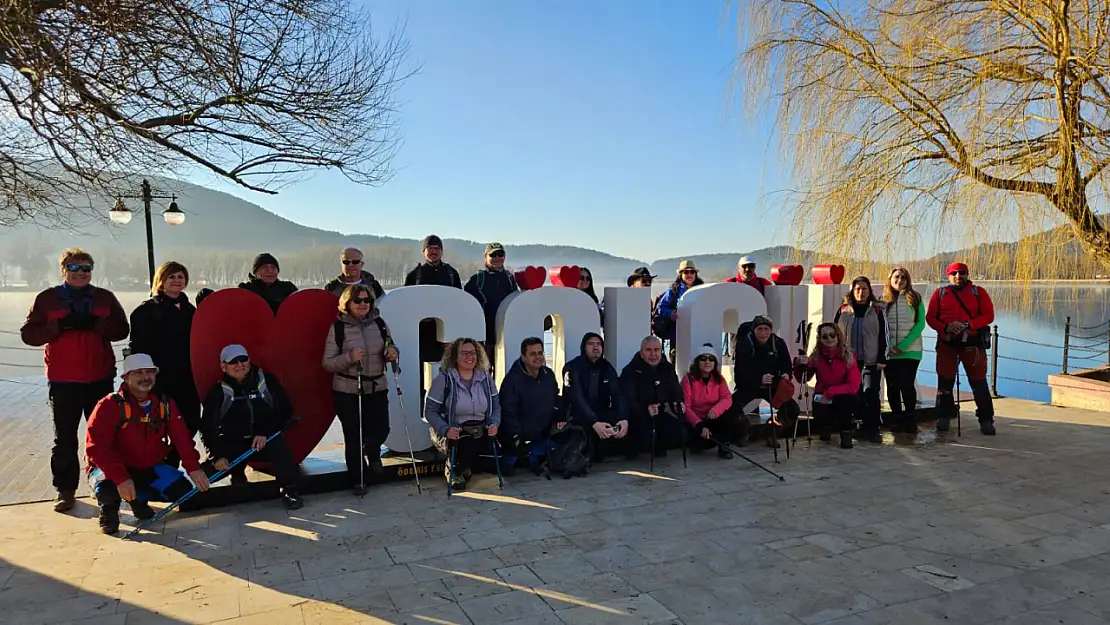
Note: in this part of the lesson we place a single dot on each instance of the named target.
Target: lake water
(1030, 323)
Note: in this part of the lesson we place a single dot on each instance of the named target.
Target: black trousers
(787, 413)
(374, 425)
(276, 452)
(609, 446)
(69, 401)
(839, 414)
(668, 431)
(466, 450)
(188, 404)
(901, 374)
(870, 409)
(725, 428)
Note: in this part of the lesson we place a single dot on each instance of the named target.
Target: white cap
(135, 362)
(231, 352)
(745, 260)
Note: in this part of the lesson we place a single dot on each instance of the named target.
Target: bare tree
(982, 116)
(254, 91)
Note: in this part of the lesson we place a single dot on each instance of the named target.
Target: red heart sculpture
(788, 275)
(291, 346)
(566, 275)
(531, 278)
(828, 274)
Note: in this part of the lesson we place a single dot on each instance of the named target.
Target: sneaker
(846, 440)
(142, 510)
(987, 427)
(292, 500)
(65, 501)
(109, 520)
(942, 424)
(724, 454)
(458, 483)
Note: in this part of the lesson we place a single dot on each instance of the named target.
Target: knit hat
(640, 273)
(686, 265)
(761, 320)
(494, 247)
(265, 258)
(430, 241)
(954, 267)
(707, 349)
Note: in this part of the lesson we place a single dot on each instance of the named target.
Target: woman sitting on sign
(462, 408)
(707, 400)
(835, 396)
(356, 351)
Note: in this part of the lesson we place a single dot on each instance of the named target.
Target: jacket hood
(638, 362)
(587, 337)
(519, 367)
(363, 275)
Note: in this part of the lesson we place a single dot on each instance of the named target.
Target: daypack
(230, 398)
(569, 452)
(126, 418)
(663, 326)
(341, 333)
(482, 283)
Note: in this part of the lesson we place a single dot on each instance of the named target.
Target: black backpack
(341, 333)
(569, 452)
(663, 326)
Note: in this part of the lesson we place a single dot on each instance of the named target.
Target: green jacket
(906, 326)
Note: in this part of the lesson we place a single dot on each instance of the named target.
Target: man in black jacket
(654, 398)
(591, 388)
(530, 402)
(264, 281)
(762, 362)
(354, 272)
(490, 286)
(435, 272)
(241, 411)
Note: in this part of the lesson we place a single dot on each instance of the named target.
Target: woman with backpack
(707, 399)
(862, 321)
(666, 306)
(356, 351)
(905, 313)
(835, 394)
(462, 408)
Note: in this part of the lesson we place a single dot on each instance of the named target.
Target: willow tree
(959, 118)
(251, 91)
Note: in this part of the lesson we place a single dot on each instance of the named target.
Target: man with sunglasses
(77, 322)
(490, 286)
(263, 281)
(354, 272)
(962, 313)
(435, 272)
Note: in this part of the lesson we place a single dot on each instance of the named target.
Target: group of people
(142, 431)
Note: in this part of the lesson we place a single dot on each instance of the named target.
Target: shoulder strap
(229, 397)
(940, 296)
(340, 334)
(386, 338)
(264, 390)
(959, 301)
(124, 416)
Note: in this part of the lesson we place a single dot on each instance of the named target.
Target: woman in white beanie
(707, 401)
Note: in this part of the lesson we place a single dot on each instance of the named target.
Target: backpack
(569, 452)
(230, 398)
(125, 418)
(482, 283)
(983, 338)
(340, 333)
(663, 326)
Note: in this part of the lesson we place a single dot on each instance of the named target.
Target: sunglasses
(351, 262)
(958, 273)
(497, 254)
(747, 266)
(361, 300)
(687, 272)
(238, 360)
(76, 268)
(827, 335)
(706, 359)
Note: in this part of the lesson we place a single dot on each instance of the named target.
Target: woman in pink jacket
(836, 393)
(707, 401)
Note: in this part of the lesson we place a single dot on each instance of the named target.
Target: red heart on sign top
(828, 274)
(531, 278)
(566, 275)
(788, 275)
(291, 346)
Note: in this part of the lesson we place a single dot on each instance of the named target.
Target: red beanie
(956, 267)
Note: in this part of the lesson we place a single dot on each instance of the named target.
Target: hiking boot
(141, 510)
(846, 440)
(942, 424)
(291, 499)
(109, 520)
(826, 434)
(458, 483)
(724, 454)
(987, 427)
(65, 501)
(909, 426)
(375, 463)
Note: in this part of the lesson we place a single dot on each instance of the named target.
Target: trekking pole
(737, 453)
(404, 417)
(361, 440)
(164, 512)
(959, 430)
(450, 466)
(497, 463)
(771, 427)
(651, 452)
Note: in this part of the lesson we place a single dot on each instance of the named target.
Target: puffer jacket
(365, 278)
(906, 324)
(868, 335)
(835, 376)
(701, 396)
(358, 333)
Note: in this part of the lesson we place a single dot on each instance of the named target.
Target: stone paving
(1013, 529)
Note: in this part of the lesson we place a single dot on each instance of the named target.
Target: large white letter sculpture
(627, 322)
(458, 315)
(705, 311)
(521, 315)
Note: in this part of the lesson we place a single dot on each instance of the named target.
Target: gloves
(77, 321)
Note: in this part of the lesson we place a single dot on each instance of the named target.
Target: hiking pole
(451, 466)
(737, 453)
(959, 431)
(651, 452)
(164, 512)
(361, 440)
(771, 427)
(497, 463)
(404, 418)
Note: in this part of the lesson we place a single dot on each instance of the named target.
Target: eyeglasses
(361, 300)
(538, 354)
(468, 354)
(706, 359)
(73, 268)
(352, 262)
(827, 335)
(497, 254)
(238, 360)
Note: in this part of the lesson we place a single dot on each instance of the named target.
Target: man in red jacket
(77, 323)
(962, 313)
(745, 274)
(129, 436)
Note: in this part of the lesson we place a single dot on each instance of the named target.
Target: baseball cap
(232, 352)
(494, 247)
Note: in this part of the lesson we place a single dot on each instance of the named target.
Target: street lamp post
(173, 215)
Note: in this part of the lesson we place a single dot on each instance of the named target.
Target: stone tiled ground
(1012, 530)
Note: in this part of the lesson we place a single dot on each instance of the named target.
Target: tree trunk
(1071, 200)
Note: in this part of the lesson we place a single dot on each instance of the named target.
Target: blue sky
(606, 125)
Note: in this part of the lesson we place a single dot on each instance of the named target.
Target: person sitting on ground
(654, 397)
(433, 271)
(862, 321)
(77, 322)
(707, 399)
(905, 316)
(591, 389)
(242, 411)
(358, 346)
(530, 404)
(490, 286)
(462, 408)
(836, 393)
(264, 282)
(353, 272)
(745, 274)
(126, 444)
(665, 318)
(762, 373)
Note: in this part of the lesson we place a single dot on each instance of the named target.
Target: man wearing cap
(263, 280)
(352, 272)
(126, 443)
(762, 372)
(962, 313)
(491, 285)
(241, 412)
(435, 272)
(745, 274)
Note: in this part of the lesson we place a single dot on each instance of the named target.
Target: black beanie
(265, 258)
(429, 241)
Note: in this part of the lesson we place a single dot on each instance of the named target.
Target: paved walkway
(1013, 529)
